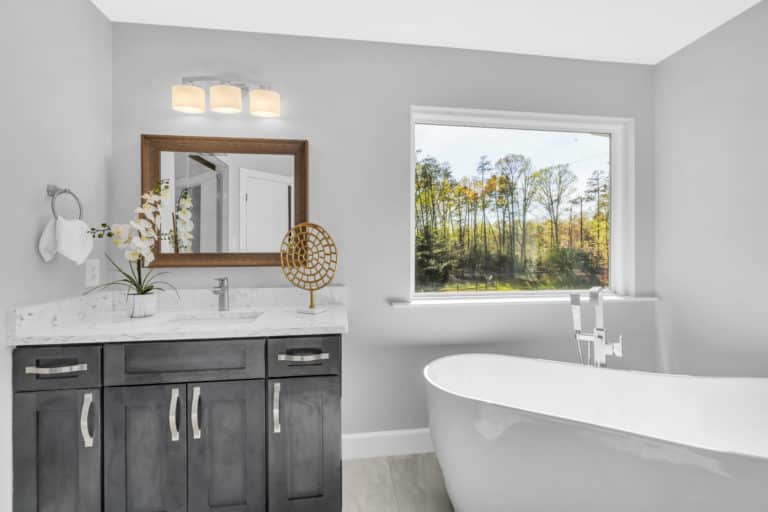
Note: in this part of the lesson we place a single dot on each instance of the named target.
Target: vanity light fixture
(224, 96)
(189, 99)
(264, 102)
(226, 99)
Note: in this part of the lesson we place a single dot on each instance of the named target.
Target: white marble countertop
(255, 313)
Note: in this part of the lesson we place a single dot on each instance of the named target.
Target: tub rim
(561, 418)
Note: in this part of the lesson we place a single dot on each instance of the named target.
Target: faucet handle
(576, 311)
(618, 347)
(223, 281)
(596, 299)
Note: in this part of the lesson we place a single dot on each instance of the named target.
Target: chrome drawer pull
(276, 408)
(172, 422)
(303, 358)
(196, 434)
(56, 370)
(84, 413)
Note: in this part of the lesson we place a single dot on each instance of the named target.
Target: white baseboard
(366, 445)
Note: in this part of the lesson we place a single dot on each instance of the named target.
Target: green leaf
(131, 279)
(136, 273)
(151, 276)
(120, 282)
(169, 285)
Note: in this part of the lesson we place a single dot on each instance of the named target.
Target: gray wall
(56, 101)
(64, 62)
(711, 181)
(351, 101)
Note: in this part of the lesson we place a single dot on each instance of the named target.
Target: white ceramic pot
(141, 306)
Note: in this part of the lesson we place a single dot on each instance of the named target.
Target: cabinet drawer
(183, 361)
(68, 367)
(312, 355)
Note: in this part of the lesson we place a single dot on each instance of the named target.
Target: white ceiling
(638, 31)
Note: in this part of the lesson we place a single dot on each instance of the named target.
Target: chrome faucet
(598, 347)
(222, 290)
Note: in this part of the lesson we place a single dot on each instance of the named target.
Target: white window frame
(622, 265)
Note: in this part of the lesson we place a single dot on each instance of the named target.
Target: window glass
(500, 209)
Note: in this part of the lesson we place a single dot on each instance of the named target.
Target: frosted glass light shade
(226, 99)
(189, 99)
(264, 103)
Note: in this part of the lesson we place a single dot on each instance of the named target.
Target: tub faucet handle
(601, 351)
(596, 299)
(618, 347)
(576, 311)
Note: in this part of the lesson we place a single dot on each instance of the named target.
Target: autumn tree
(483, 169)
(597, 192)
(554, 186)
(476, 230)
(515, 169)
(579, 201)
(527, 192)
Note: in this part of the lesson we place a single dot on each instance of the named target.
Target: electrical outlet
(92, 272)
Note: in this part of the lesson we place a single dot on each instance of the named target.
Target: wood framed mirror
(229, 200)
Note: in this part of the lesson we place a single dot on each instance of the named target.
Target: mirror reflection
(226, 202)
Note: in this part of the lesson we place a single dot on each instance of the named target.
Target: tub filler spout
(598, 348)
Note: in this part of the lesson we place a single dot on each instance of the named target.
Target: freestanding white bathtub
(517, 434)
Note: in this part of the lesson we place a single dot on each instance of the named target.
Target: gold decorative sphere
(308, 258)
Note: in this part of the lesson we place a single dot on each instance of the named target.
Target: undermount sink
(201, 316)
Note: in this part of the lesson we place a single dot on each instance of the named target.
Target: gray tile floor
(407, 483)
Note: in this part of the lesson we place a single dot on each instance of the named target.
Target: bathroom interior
(423, 256)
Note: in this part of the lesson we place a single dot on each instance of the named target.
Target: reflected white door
(265, 210)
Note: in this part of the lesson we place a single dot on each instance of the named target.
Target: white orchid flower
(141, 244)
(144, 228)
(132, 255)
(121, 234)
(147, 210)
(185, 202)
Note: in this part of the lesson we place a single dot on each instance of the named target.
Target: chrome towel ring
(54, 192)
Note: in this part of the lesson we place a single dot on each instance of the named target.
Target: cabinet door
(304, 444)
(145, 449)
(57, 451)
(227, 459)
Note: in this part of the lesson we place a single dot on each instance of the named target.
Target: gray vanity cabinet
(226, 449)
(145, 449)
(57, 451)
(231, 425)
(305, 444)
(196, 447)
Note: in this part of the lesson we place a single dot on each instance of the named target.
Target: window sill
(419, 302)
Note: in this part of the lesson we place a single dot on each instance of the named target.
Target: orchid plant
(138, 238)
(184, 223)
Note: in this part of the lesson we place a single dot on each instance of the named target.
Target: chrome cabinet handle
(276, 408)
(84, 413)
(303, 358)
(195, 414)
(172, 421)
(56, 370)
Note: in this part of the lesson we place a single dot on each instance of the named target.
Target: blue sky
(462, 147)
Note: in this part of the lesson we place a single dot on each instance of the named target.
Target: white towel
(47, 243)
(73, 240)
